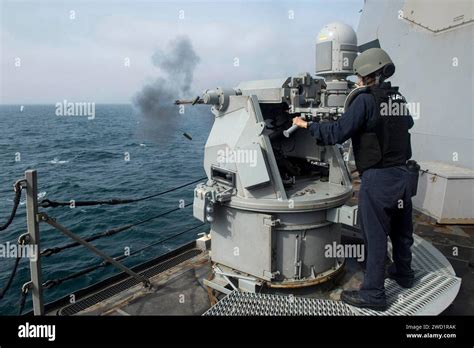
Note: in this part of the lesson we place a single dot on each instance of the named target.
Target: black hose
(10, 279)
(22, 301)
(16, 203)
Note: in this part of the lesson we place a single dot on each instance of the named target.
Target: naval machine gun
(275, 198)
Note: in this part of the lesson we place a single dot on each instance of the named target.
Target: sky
(101, 51)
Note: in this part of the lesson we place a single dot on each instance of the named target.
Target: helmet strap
(380, 78)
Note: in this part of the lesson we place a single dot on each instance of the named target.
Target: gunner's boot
(354, 298)
(406, 282)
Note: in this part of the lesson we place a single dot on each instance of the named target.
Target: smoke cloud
(176, 64)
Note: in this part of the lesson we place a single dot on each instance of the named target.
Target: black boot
(353, 298)
(406, 282)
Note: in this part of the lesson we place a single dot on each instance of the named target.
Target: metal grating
(427, 258)
(420, 299)
(424, 259)
(246, 304)
(108, 292)
(436, 287)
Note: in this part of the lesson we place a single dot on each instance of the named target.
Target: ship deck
(179, 276)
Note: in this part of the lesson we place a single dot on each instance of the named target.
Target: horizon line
(53, 103)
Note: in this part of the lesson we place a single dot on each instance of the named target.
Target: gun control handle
(287, 133)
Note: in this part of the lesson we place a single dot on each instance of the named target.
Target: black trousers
(385, 210)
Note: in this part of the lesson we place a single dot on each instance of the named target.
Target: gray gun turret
(274, 201)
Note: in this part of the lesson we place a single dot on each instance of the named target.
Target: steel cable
(54, 282)
(50, 251)
(46, 203)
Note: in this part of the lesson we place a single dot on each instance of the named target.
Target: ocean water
(85, 159)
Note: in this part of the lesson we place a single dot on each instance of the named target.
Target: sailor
(381, 144)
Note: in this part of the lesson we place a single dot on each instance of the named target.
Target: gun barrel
(197, 100)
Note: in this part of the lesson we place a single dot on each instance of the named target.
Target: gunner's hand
(297, 121)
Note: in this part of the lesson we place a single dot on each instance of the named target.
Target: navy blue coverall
(385, 207)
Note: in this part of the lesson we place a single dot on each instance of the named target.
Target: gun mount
(272, 199)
